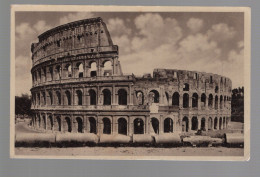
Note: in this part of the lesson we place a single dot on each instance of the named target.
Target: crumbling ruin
(79, 86)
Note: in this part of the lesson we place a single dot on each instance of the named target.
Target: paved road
(22, 127)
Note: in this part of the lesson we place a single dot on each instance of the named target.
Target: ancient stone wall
(78, 86)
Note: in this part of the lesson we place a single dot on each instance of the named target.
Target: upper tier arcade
(88, 37)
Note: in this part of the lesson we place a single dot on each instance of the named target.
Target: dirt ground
(131, 151)
(122, 151)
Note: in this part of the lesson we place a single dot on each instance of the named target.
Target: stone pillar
(114, 95)
(170, 100)
(146, 124)
(99, 126)
(190, 100)
(86, 124)
(206, 123)
(213, 102)
(206, 102)
(72, 96)
(199, 122)
(190, 123)
(199, 102)
(161, 130)
(175, 124)
(130, 95)
(130, 127)
(115, 125)
(181, 101)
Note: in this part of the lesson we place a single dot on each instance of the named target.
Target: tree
(23, 105)
(237, 104)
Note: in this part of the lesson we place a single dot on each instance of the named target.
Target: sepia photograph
(133, 83)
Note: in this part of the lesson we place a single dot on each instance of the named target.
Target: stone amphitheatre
(79, 87)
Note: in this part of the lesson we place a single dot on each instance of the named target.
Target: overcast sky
(207, 42)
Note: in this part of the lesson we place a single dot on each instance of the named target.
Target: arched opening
(154, 96)
(93, 97)
(185, 124)
(79, 97)
(203, 124)
(155, 125)
(58, 124)
(80, 70)
(58, 98)
(138, 126)
(210, 104)
(79, 125)
(216, 102)
(39, 121)
(106, 97)
(185, 100)
(40, 76)
(220, 123)
(106, 126)
(140, 97)
(224, 122)
(215, 123)
(203, 100)
(35, 77)
(51, 73)
(122, 126)
(221, 102)
(92, 125)
(39, 98)
(175, 99)
(216, 89)
(194, 123)
(93, 69)
(224, 101)
(68, 98)
(43, 122)
(44, 74)
(167, 98)
(50, 98)
(58, 72)
(43, 98)
(49, 123)
(195, 100)
(122, 97)
(108, 68)
(186, 87)
(168, 125)
(210, 123)
(67, 125)
(68, 70)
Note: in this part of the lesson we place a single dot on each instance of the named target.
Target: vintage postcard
(130, 82)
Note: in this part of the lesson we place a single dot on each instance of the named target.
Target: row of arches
(154, 97)
(50, 99)
(68, 71)
(204, 124)
(56, 124)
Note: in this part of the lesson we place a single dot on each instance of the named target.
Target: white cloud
(75, 16)
(221, 32)
(117, 27)
(154, 31)
(195, 24)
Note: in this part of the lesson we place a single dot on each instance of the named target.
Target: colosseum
(79, 87)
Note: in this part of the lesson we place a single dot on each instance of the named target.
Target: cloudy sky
(208, 42)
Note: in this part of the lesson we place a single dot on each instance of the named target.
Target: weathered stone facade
(75, 91)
